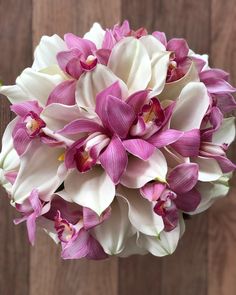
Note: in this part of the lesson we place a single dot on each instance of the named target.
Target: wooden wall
(205, 261)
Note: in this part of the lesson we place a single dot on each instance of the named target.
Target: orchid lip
(33, 124)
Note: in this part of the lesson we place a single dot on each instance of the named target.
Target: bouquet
(117, 136)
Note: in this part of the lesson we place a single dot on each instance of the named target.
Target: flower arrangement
(117, 135)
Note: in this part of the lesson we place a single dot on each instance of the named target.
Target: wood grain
(184, 272)
(183, 18)
(15, 48)
(75, 16)
(56, 276)
(222, 217)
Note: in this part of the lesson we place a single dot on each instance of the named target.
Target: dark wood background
(205, 261)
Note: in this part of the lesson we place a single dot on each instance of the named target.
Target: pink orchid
(214, 150)
(179, 61)
(118, 32)
(82, 56)
(178, 193)
(125, 126)
(72, 224)
(32, 208)
(29, 125)
(218, 86)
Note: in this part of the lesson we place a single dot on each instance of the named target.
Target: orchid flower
(177, 193)
(211, 149)
(118, 32)
(72, 224)
(221, 91)
(125, 126)
(180, 61)
(28, 126)
(80, 57)
(31, 209)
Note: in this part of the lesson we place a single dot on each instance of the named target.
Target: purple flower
(31, 209)
(178, 193)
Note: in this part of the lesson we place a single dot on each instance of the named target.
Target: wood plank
(222, 217)
(75, 16)
(140, 275)
(185, 272)
(55, 276)
(15, 48)
(182, 18)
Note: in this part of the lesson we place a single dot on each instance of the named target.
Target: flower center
(90, 59)
(33, 124)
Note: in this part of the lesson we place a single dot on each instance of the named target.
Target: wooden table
(205, 262)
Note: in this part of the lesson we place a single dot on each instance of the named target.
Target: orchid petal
(129, 60)
(139, 148)
(218, 86)
(83, 245)
(161, 36)
(102, 56)
(93, 189)
(63, 93)
(91, 219)
(115, 114)
(21, 141)
(183, 177)
(113, 90)
(226, 102)
(137, 100)
(179, 46)
(114, 159)
(69, 62)
(85, 46)
(31, 227)
(23, 108)
(188, 201)
(191, 107)
(152, 191)
(226, 164)
(139, 172)
(188, 144)
(164, 138)
(81, 125)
